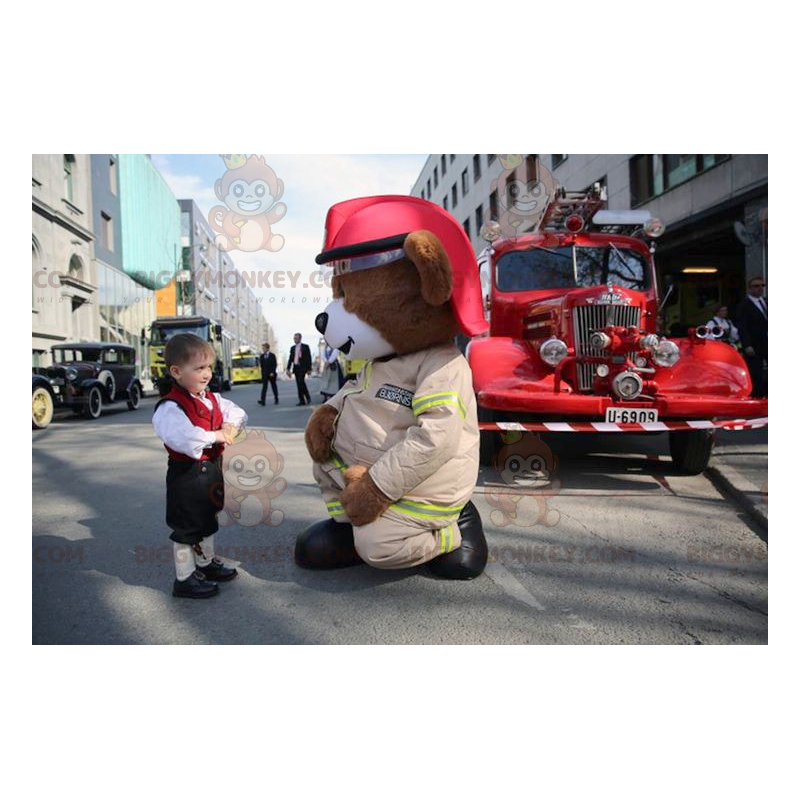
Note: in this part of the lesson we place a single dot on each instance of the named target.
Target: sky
(312, 183)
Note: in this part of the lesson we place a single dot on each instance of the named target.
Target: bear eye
(238, 465)
(513, 190)
(260, 465)
(238, 191)
(513, 464)
(259, 191)
(536, 464)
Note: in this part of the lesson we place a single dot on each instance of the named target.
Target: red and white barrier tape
(625, 427)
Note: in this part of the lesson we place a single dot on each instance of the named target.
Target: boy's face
(195, 374)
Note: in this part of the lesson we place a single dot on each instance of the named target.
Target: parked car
(84, 377)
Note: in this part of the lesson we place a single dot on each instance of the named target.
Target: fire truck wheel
(490, 440)
(691, 450)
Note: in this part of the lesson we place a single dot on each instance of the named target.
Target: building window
(464, 183)
(652, 175)
(444, 166)
(493, 205)
(490, 157)
(112, 176)
(452, 157)
(436, 177)
(444, 203)
(429, 187)
(557, 161)
(466, 227)
(530, 167)
(106, 232)
(455, 195)
(69, 161)
(476, 167)
(479, 217)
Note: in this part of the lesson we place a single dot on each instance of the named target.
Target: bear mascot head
(395, 452)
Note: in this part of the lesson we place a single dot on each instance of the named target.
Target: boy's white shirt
(173, 427)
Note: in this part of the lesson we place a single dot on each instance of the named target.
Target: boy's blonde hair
(182, 347)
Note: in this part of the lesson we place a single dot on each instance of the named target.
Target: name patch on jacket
(395, 394)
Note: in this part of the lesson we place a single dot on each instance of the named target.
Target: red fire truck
(574, 342)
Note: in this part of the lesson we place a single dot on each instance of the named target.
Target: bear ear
(425, 251)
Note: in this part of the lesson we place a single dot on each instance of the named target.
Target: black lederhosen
(195, 495)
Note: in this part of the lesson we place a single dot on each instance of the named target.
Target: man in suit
(269, 373)
(751, 319)
(300, 365)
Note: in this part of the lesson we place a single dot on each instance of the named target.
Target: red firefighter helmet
(370, 225)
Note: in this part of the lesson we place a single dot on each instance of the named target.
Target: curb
(728, 480)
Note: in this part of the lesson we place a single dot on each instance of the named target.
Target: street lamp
(184, 276)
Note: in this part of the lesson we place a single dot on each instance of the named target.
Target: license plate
(624, 415)
(56, 390)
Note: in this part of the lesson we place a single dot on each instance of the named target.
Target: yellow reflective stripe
(337, 461)
(431, 506)
(335, 509)
(421, 404)
(417, 514)
(447, 538)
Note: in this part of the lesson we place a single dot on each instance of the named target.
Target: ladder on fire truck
(572, 211)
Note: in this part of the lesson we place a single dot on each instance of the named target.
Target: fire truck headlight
(666, 354)
(654, 228)
(491, 231)
(602, 370)
(553, 351)
(627, 385)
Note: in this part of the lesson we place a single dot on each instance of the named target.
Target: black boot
(195, 586)
(469, 560)
(326, 545)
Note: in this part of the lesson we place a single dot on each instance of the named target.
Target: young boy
(194, 425)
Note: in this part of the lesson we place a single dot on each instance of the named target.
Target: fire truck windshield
(571, 267)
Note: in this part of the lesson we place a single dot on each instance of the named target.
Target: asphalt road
(625, 552)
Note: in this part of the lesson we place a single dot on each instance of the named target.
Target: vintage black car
(84, 377)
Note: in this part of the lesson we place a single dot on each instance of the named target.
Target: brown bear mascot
(395, 451)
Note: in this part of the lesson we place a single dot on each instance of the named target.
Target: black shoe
(261, 403)
(300, 404)
(326, 545)
(217, 571)
(469, 560)
(195, 586)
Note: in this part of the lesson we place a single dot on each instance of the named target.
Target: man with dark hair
(269, 373)
(751, 319)
(300, 365)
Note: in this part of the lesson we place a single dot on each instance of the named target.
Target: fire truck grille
(587, 319)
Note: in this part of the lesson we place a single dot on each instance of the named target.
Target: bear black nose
(321, 322)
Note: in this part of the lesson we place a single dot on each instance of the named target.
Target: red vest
(198, 415)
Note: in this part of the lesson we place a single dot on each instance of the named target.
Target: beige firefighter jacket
(413, 421)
